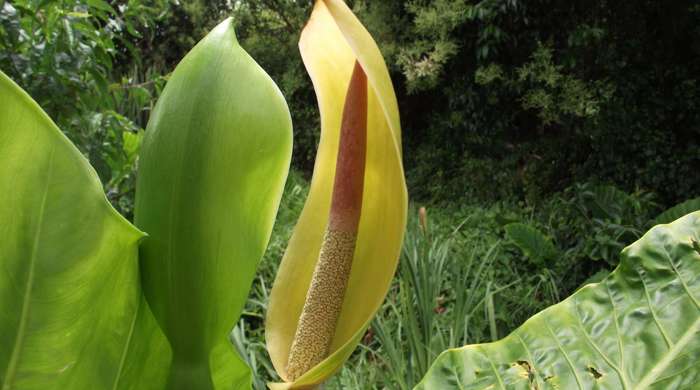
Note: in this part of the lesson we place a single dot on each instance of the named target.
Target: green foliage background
(499, 98)
(578, 119)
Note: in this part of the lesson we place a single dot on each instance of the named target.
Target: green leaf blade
(69, 283)
(637, 329)
(211, 173)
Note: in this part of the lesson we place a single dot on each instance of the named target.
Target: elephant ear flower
(344, 250)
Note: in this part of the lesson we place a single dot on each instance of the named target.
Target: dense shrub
(71, 57)
(499, 98)
(551, 92)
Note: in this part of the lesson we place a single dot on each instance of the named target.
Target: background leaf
(637, 329)
(535, 244)
(604, 202)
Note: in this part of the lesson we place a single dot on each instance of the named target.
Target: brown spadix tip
(319, 317)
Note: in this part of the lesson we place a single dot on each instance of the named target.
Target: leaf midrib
(24, 318)
(669, 356)
(127, 347)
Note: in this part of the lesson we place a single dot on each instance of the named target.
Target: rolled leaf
(71, 312)
(332, 42)
(637, 329)
(211, 173)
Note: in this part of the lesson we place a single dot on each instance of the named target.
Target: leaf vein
(561, 349)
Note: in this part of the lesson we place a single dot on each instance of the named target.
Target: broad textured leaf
(606, 201)
(531, 241)
(332, 41)
(678, 211)
(70, 303)
(637, 329)
(212, 168)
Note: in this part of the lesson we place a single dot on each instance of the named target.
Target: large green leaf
(535, 244)
(211, 174)
(637, 329)
(605, 201)
(71, 312)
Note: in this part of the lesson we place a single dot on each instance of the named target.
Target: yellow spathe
(330, 44)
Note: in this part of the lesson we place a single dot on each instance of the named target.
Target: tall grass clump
(437, 302)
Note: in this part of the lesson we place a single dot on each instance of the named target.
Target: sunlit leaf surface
(71, 312)
(637, 329)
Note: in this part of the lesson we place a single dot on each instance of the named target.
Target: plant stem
(189, 375)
